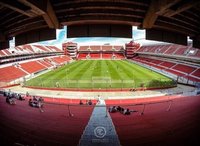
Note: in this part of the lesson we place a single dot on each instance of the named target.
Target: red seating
(7, 52)
(60, 60)
(32, 66)
(95, 48)
(178, 69)
(2, 53)
(167, 64)
(45, 63)
(10, 73)
(82, 56)
(28, 48)
(175, 72)
(83, 48)
(171, 49)
(184, 68)
(119, 56)
(53, 127)
(155, 126)
(181, 51)
(162, 49)
(118, 48)
(42, 48)
(197, 73)
(54, 49)
(107, 48)
(107, 55)
(95, 55)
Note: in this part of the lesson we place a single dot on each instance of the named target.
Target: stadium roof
(165, 20)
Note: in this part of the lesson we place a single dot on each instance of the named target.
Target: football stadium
(99, 72)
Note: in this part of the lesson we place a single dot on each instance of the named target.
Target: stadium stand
(95, 48)
(32, 67)
(101, 52)
(10, 73)
(158, 126)
(39, 128)
(95, 55)
(107, 55)
(187, 71)
(107, 48)
(171, 51)
(13, 61)
(42, 48)
(60, 60)
(2, 53)
(83, 48)
(82, 55)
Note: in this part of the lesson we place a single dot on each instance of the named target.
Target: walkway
(105, 95)
(100, 130)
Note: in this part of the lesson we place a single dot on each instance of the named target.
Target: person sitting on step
(81, 102)
(10, 100)
(127, 112)
(112, 109)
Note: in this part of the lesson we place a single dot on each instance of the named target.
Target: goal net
(101, 79)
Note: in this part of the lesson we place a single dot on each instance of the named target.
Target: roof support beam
(182, 8)
(50, 16)
(17, 7)
(157, 7)
(46, 12)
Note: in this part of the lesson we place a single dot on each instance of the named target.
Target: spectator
(81, 102)
(127, 112)
(90, 102)
(112, 109)
(27, 94)
(10, 101)
(20, 97)
(119, 108)
(36, 102)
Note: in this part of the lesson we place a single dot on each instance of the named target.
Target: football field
(100, 74)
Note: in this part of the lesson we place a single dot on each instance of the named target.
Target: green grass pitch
(100, 74)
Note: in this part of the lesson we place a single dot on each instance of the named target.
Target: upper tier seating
(95, 48)
(43, 48)
(28, 49)
(118, 48)
(107, 48)
(171, 50)
(54, 49)
(83, 48)
(2, 53)
(181, 50)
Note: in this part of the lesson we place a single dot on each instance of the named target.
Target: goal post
(101, 82)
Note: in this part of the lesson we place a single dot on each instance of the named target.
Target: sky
(138, 36)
